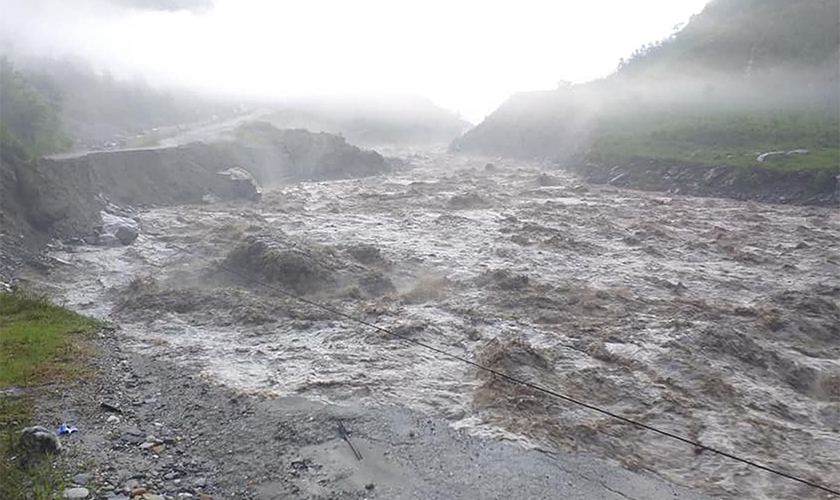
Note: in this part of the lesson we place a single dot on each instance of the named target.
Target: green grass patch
(720, 138)
(40, 343)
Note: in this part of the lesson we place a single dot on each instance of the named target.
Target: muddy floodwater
(714, 319)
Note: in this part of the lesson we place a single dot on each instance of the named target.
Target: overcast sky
(467, 56)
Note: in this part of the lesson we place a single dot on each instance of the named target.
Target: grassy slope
(742, 78)
(40, 343)
(777, 40)
(717, 138)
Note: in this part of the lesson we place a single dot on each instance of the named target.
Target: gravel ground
(179, 436)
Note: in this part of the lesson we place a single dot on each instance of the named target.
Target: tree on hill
(30, 115)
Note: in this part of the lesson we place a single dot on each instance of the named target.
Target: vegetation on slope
(30, 114)
(742, 36)
(40, 343)
(47, 104)
(742, 78)
(720, 137)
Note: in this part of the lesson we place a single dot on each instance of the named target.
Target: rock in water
(107, 240)
(39, 441)
(243, 185)
(127, 234)
(123, 230)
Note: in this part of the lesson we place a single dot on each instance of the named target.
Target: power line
(505, 376)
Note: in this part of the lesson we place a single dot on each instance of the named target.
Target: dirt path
(712, 318)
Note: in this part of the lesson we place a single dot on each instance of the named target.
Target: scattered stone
(147, 445)
(127, 234)
(370, 486)
(138, 491)
(132, 439)
(455, 414)
(158, 449)
(39, 440)
(81, 479)
(200, 482)
(107, 240)
(152, 496)
(468, 200)
(204, 496)
(76, 493)
(113, 419)
(115, 227)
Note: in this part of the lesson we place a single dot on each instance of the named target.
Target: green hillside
(742, 36)
(742, 78)
(50, 105)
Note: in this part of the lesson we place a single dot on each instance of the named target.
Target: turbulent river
(714, 319)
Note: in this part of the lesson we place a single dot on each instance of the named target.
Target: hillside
(742, 78)
(53, 105)
(744, 36)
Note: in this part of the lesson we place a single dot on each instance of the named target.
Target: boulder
(117, 230)
(243, 185)
(38, 440)
(127, 234)
(76, 493)
(107, 240)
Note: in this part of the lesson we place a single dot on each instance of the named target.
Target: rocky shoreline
(809, 187)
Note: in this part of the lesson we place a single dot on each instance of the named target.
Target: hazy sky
(467, 56)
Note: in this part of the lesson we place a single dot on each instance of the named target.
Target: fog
(467, 57)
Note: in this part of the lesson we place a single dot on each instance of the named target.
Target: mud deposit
(714, 319)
